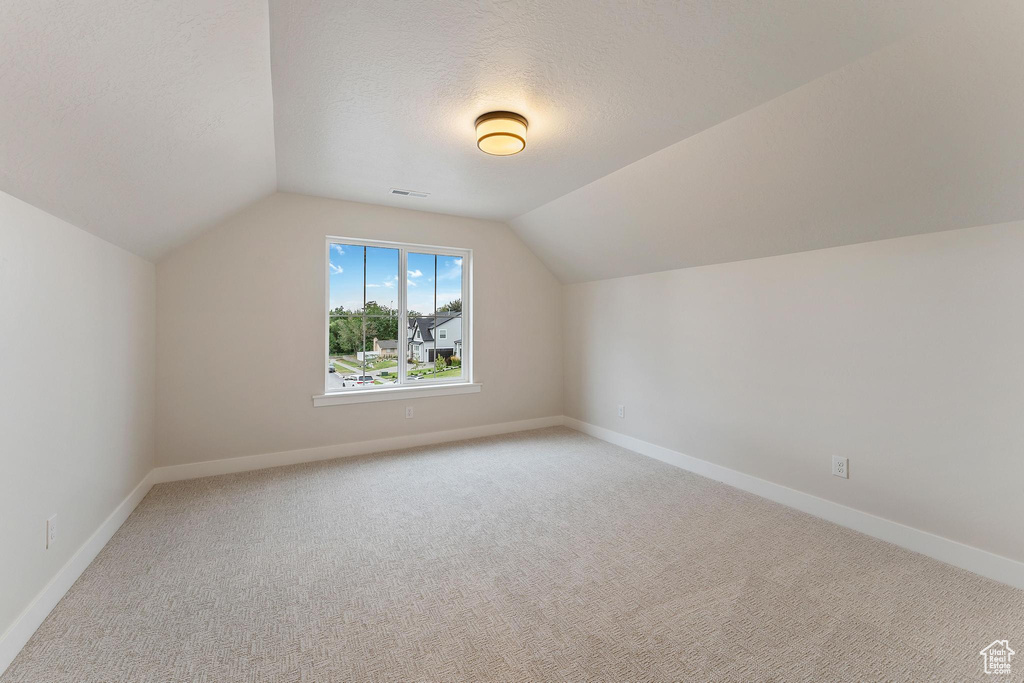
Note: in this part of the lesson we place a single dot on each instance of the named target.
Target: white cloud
(416, 273)
(453, 273)
(336, 270)
(411, 283)
(446, 297)
(371, 284)
(338, 249)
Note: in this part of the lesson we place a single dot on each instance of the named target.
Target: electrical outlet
(408, 412)
(841, 467)
(51, 531)
(622, 411)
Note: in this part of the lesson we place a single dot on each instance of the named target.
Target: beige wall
(905, 355)
(241, 332)
(77, 336)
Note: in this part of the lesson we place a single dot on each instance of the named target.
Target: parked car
(331, 368)
(357, 381)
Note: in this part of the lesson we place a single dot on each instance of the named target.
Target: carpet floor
(544, 555)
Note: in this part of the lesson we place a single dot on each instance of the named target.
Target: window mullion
(363, 349)
(403, 315)
(467, 336)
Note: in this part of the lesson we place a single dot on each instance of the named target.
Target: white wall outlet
(841, 467)
(51, 531)
(408, 412)
(622, 411)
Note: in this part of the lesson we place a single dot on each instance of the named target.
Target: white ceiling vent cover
(409, 193)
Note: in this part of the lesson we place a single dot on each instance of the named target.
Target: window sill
(393, 394)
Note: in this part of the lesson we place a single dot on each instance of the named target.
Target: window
(397, 317)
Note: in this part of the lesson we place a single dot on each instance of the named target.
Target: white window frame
(402, 389)
(442, 334)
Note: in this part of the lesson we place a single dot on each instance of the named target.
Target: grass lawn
(428, 372)
(343, 368)
(353, 364)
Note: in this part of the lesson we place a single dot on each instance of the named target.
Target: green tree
(346, 328)
(381, 322)
(451, 307)
(346, 335)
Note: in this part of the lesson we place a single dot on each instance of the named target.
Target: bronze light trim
(506, 116)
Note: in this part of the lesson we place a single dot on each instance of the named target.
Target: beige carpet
(542, 555)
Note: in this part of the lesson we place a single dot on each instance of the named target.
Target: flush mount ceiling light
(501, 133)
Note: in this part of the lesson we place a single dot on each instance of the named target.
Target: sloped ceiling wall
(370, 96)
(141, 122)
(145, 123)
(922, 136)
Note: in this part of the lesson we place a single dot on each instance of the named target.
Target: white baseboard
(29, 620)
(210, 468)
(967, 557)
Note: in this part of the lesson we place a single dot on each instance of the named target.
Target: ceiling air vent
(409, 193)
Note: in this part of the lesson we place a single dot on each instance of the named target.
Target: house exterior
(430, 337)
(385, 348)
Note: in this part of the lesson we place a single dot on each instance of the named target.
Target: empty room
(521, 340)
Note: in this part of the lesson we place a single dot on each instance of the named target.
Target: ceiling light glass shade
(501, 133)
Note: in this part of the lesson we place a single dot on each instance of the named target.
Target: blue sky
(382, 275)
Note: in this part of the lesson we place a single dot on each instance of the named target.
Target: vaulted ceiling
(142, 122)
(370, 96)
(662, 134)
(922, 136)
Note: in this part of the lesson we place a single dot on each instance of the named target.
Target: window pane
(380, 357)
(366, 345)
(359, 362)
(346, 278)
(382, 283)
(421, 278)
(420, 347)
(345, 344)
(447, 346)
(449, 284)
(379, 361)
(435, 348)
(383, 368)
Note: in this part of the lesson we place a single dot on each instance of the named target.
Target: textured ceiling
(140, 121)
(922, 136)
(755, 128)
(370, 95)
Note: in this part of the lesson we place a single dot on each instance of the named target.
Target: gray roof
(442, 319)
(424, 329)
(387, 343)
(427, 323)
